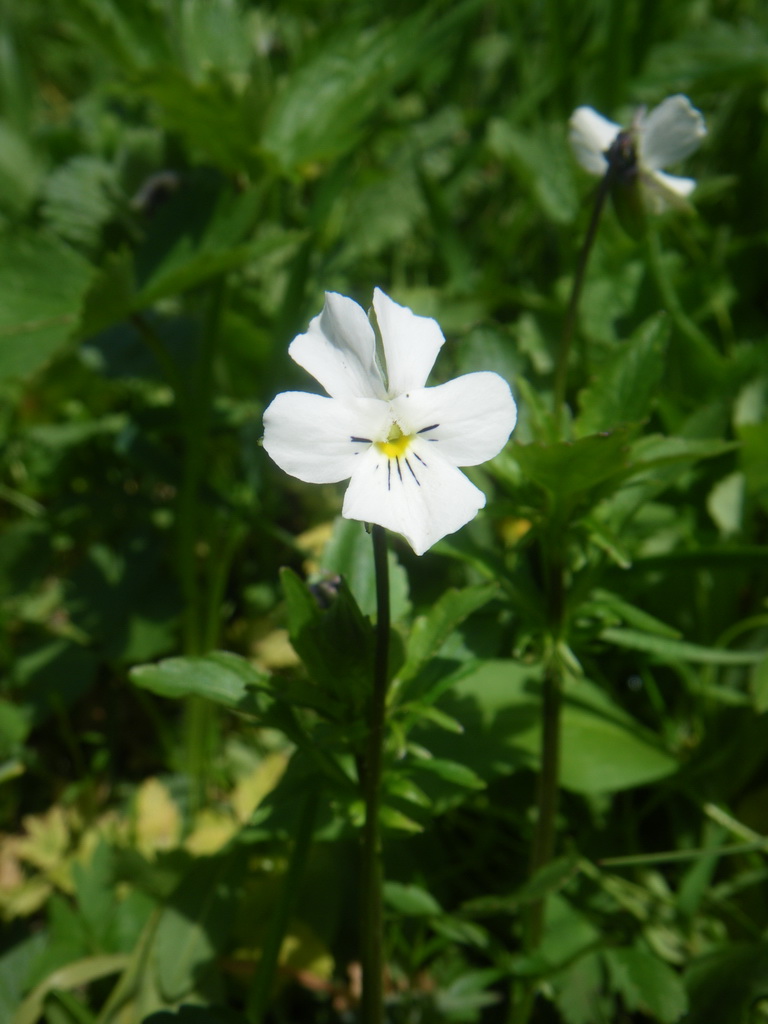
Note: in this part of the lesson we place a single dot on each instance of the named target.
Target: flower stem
(199, 716)
(547, 795)
(263, 980)
(569, 324)
(372, 939)
(548, 782)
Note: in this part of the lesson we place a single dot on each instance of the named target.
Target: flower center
(397, 443)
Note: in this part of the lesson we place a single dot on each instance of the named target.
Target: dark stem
(569, 325)
(200, 717)
(547, 793)
(523, 996)
(372, 874)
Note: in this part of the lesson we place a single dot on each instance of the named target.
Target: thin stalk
(196, 417)
(548, 782)
(569, 324)
(161, 355)
(547, 795)
(199, 718)
(695, 853)
(372, 939)
(263, 980)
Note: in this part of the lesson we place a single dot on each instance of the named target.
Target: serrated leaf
(567, 469)
(349, 553)
(42, 285)
(335, 642)
(194, 924)
(647, 984)
(430, 631)
(625, 387)
(321, 110)
(79, 198)
(541, 161)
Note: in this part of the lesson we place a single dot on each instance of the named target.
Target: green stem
(372, 939)
(200, 719)
(548, 782)
(547, 796)
(569, 324)
(196, 418)
(161, 355)
(261, 987)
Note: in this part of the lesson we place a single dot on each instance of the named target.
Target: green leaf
(723, 985)
(221, 677)
(542, 162)
(15, 965)
(603, 749)
(647, 984)
(637, 617)
(79, 198)
(580, 991)
(94, 887)
(349, 553)
(551, 878)
(462, 998)
(567, 469)
(392, 818)
(411, 900)
(336, 643)
(449, 771)
(195, 923)
(62, 1007)
(42, 284)
(72, 976)
(654, 450)
(625, 387)
(15, 725)
(321, 110)
(429, 632)
(20, 171)
(669, 650)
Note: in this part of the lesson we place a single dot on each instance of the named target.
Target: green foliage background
(180, 180)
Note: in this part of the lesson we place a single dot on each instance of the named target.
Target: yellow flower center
(396, 444)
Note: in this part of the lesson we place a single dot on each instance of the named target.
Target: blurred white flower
(398, 442)
(668, 134)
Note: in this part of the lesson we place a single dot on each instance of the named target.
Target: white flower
(671, 132)
(398, 442)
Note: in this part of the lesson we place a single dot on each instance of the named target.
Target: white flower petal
(422, 502)
(590, 135)
(339, 350)
(311, 437)
(468, 420)
(664, 190)
(411, 343)
(671, 132)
